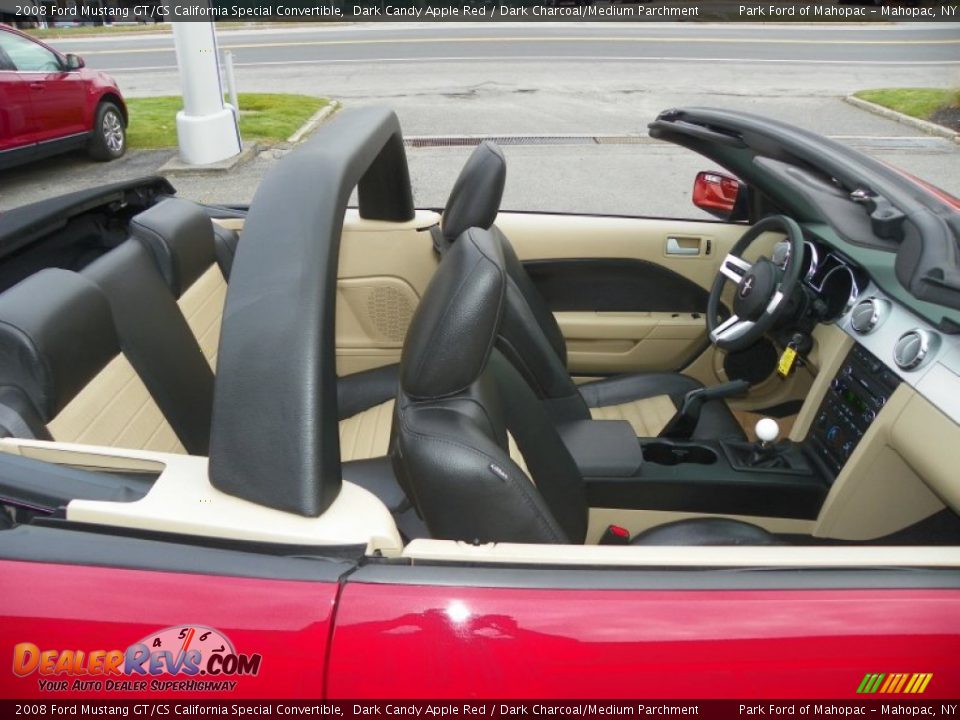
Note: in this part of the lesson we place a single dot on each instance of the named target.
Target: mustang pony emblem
(746, 286)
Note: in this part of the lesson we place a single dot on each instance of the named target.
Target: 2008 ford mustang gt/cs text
(301, 449)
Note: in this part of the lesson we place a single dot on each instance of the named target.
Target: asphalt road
(551, 79)
(626, 42)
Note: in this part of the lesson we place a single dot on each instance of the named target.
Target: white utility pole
(206, 127)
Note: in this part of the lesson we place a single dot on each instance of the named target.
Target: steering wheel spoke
(731, 329)
(763, 289)
(774, 302)
(734, 268)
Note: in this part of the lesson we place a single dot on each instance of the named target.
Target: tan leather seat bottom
(366, 434)
(647, 416)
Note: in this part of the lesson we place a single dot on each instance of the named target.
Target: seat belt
(440, 243)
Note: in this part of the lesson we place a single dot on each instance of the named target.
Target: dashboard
(832, 281)
(892, 346)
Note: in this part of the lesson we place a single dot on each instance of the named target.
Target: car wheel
(109, 140)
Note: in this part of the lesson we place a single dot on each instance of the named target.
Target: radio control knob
(833, 433)
(868, 416)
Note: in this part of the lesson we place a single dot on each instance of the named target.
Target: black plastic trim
(462, 575)
(47, 487)
(277, 346)
(69, 545)
(20, 226)
(711, 487)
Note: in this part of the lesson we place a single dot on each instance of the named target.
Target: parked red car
(50, 103)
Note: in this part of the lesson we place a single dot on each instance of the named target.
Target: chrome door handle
(674, 248)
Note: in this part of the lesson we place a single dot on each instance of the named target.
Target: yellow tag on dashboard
(787, 360)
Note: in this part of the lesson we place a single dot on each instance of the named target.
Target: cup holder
(664, 453)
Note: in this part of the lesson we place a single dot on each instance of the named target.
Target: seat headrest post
(475, 198)
(455, 325)
(56, 334)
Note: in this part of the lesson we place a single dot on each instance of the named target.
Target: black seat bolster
(466, 486)
(705, 532)
(18, 417)
(225, 243)
(366, 389)
(179, 234)
(376, 476)
(157, 341)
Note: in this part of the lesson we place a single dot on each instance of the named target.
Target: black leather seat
(461, 406)
(531, 338)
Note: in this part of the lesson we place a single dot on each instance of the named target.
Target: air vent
(913, 348)
(867, 315)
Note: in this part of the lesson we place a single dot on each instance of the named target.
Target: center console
(772, 479)
(859, 391)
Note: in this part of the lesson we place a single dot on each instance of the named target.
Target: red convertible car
(301, 449)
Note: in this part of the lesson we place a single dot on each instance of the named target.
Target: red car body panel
(16, 114)
(447, 642)
(77, 607)
(434, 641)
(59, 104)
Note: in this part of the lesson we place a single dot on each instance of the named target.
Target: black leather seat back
(532, 340)
(180, 236)
(457, 401)
(529, 334)
(56, 335)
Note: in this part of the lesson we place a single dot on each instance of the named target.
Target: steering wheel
(762, 287)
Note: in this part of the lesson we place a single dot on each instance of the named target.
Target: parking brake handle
(682, 425)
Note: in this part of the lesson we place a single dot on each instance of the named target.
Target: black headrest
(475, 198)
(455, 324)
(56, 334)
(180, 236)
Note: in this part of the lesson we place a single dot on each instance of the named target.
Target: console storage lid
(603, 448)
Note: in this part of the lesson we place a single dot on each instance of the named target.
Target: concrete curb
(176, 166)
(313, 122)
(922, 125)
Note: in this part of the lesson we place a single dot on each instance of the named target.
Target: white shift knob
(767, 430)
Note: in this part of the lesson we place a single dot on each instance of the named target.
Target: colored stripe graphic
(894, 683)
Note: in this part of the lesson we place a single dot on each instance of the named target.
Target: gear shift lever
(767, 454)
(767, 430)
(765, 450)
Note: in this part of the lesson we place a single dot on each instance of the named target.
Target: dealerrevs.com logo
(187, 658)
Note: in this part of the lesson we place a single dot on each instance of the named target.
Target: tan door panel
(603, 342)
(384, 269)
(543, 236)
(373, 315)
